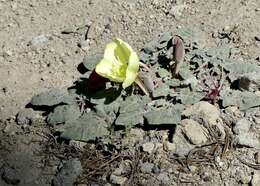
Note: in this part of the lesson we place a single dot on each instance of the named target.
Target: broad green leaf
(244, 100)
(131, 112)
(63, 113)
(86, 128)
(239, 68)
(162, 116)
(52, 97)
(162, 90)
(188, 97)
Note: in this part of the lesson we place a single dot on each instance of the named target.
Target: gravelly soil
(35, 55)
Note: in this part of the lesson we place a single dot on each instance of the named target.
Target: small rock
(245, 179)
(39, 40)
(78, 144)
(176, 11)
(147, 167)
(134, 136)
(164, 178)
(195, 132)
(208, 112)
(219, 161)
(148, 147)
(68, 173)
(182, 146)
(257, 120)
(156, 169)
(84, 45)
(233, 110)
(256, 179)
(243, 135)
(9, 175)
(124, 168)
(257, 157)
(248, 140)
(242, 126)
(8, 53)
(25, 116)
(118, 180)
(168, 146)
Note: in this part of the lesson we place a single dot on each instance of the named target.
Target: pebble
(147, 167)
(156, 169)
(248, 140)
(177, 11)
(148, 147)
(25, 116)
(195, 132)
(164, 178)
(257, 157)
(233, 110)
(256, 179)
(118, 180)
(77, 144)
(244, 136)
(181, 146)
(168, 146)
(208, 112)
(37, 40)
(124, 168)
(134, 136)
(84, 45)
(9, 175)
(242, 126)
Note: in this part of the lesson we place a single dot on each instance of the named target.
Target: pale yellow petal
(105, 69)
(132, 70)
(109, 51)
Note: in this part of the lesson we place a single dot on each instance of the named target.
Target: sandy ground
(28, 67)
(35, 55)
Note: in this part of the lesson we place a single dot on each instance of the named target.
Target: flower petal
(132, 70)
(109, 51)
(120, 63)
(105, 69)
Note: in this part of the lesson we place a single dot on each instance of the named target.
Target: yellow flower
(119, 64)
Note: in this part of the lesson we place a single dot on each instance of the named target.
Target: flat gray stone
(195, 132)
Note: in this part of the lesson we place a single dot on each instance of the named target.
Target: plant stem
(140, 83)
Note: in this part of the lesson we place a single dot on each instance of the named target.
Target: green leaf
(163, 73)
(105, 96)
(239, 68)
(131, 112)
(188, 97)
(52, 97)
(221, 52)
(162, 116)
(244, 100)
(162, 90)
(86, 128)
(185, 72)
(63, 113)
(173, 82)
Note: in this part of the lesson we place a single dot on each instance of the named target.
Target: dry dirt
(36, 56)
